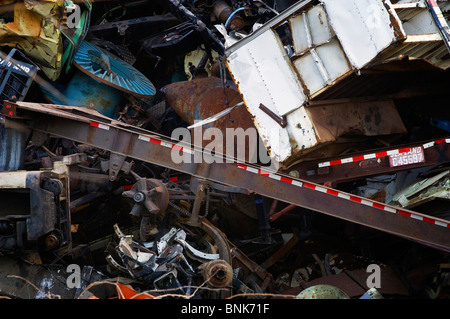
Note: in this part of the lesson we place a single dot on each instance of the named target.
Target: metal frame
(369, 163)
(94, 129)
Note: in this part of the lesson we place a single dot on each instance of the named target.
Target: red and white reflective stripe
(437, 142)
(424, 219)
(270, 175)
(379, 154)
(438, 12)
(165, 144)
(99, 125)
(350, 197)
(364, 157)
(345, 196)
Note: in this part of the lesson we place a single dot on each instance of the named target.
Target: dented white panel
(310, 73)
(300, 36)
(334, 60)
(265, 76)
(310, 29)
(322, 66)
(318, 24)
(363, 27)
(330, 41)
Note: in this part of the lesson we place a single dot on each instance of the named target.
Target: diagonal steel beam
(119, 138)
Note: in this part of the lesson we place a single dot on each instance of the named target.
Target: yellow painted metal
(35, 31)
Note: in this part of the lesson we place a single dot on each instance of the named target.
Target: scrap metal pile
(347, 172)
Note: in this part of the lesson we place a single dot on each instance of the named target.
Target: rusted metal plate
(371, 118)
(202, 98)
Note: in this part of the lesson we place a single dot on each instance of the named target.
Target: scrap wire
(48, 295)
(149, 291)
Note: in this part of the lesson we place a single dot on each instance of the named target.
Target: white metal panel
(264, 75)
(299, 134)
(301, 130)
(362, 26)
(318, 25)
(310, 73)
(15, 179)
(310, 29)
(334, 60)
(299, 30)
(322, 66)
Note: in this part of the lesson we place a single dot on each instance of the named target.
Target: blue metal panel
(85, 91)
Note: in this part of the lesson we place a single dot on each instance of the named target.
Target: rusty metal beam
(126, 140)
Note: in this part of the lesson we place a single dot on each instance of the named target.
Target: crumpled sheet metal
(424, 190)
(35, 31)
(325, 50)
(202, 98)
(370, 118)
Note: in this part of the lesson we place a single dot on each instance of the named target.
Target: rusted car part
(36, 33)
(202, 98)
(132, 25)
(324, 52)
(429, 186)
(96, 130)
(344, 271)
(137, 113)
(250, 277)
(114, 165)
(343, 125)
(218, 273)
(162, 263)
(17, 73)
(35, 209)
(227, 16)
(210, 40)
(150, 197)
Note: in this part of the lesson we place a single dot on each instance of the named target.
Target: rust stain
(202, 98)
